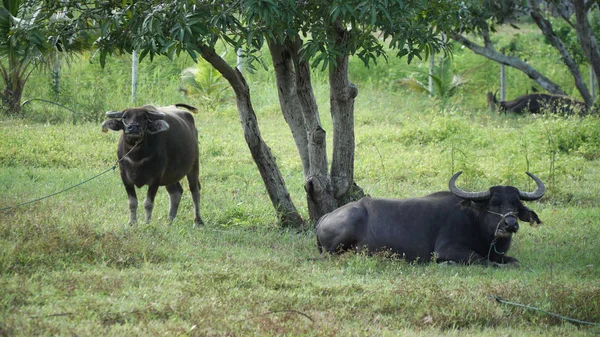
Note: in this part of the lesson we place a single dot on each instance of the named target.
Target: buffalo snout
(132, 128)
(512, 225)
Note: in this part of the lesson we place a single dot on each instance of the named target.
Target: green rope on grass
(499, 300)
(59, 192)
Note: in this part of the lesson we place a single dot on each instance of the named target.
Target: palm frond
(413, 85)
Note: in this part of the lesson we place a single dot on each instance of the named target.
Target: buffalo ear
(157, 126)
(112, 124)
(525, 214)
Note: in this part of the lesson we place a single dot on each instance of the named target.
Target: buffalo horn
(538, 193)
(114, 114)
(473, 196)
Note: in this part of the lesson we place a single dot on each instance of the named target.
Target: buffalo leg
(175, 192)
(465, 255)
(462, 255)
(133, 204)
(149, 203)
(195, 187)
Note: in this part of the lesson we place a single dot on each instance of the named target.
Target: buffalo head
(136, 122)
(501, 206)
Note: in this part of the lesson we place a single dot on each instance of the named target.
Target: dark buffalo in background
(158, 147)
(538, 103)
(455, 226)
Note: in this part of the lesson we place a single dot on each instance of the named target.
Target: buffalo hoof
(198, 223)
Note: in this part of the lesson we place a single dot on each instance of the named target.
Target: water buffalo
(538, 103)
(455, 226)
(158, 147)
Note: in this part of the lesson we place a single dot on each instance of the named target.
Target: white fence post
(430, 77)
(134, 76)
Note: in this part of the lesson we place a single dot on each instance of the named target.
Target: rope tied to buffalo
(493, 244)
(76, 185)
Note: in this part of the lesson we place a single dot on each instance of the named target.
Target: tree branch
(546, 28)
(493, 54)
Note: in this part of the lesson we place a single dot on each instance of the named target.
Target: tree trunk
(585, 35)
(11, 97)
(261, 153)
(318, 185)
(14, 78)
(546, 28)
(301, 112)
(289, 100)
(341, 96)
(491, 53)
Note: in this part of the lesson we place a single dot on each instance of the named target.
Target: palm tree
(445, 84)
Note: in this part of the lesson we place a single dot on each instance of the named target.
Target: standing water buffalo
(158, 147)
(456, 226)
(538, 103)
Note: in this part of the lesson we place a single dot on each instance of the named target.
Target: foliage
(32, 34)
(445, 84)
(204, 83)
(476, 16)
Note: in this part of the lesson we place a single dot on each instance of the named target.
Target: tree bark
(490, 52)
(289, 100)
(261, 153)
(341, 96)
(546, 28)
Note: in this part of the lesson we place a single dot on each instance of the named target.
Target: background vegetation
(69, 265)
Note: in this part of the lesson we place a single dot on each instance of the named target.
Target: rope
(81, 183)
(493, 244)
(47, 101)
(501, 301)
(59, 192)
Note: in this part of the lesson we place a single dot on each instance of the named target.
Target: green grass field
(69, 264)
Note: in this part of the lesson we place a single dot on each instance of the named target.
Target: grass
(69, 265)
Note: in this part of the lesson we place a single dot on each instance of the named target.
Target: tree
(299, 35)
(31, 34)
(338, 30)
(481, 17)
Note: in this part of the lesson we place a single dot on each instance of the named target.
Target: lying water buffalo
(538, 103)
(456, 226)
(158, 147)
